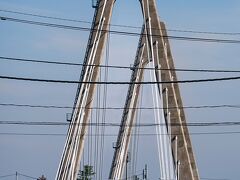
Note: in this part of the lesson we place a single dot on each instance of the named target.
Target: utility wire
(116, 25)
(214, 179)
(30, 177)
(124, 33)
(118, 82)
(116, 66)
(43, 16)
(113, 135)
(112, 25)
(120, 108)
(9, 175)
(98, 124)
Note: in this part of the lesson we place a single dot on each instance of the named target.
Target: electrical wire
(27, 176)
(214, 179)
(43, 16)
(118, 82)
(123, 33)
(17, 173)
(114, 135)
(120, 108)
(116, 66)
(210, 40)
(116, 25)
(9, 175)
(112, 124)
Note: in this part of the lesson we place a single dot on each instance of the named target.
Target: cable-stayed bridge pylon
(175, 152)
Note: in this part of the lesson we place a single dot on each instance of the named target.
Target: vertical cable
(136, 133)
(146, 20)
(98, 114)
(104, 105)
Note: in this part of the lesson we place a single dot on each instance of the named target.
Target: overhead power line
(9, 175)
(18, 174)
(118, 82)
(43, 16)
(116, 25)
(120, 108)
(111, 124)
(27, 176)
(214, 179)
(116, 66)
(113, 135)
(124, 33)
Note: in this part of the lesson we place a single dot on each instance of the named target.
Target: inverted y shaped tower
(153, 49)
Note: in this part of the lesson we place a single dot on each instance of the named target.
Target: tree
(86, 174)
(42, 178)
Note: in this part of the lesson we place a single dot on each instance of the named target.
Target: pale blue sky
(217, 155)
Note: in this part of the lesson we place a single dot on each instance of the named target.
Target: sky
(217, 155)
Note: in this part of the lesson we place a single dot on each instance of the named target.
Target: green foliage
(86, 174)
